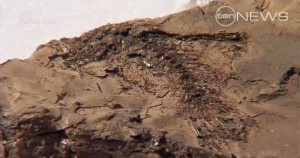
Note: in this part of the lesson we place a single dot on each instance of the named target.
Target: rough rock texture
(177, 86)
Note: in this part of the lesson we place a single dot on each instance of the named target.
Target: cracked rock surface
(177, 86)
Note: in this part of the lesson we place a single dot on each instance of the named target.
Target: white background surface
(25, 24)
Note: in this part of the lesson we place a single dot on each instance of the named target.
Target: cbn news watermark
(227, 16)
(30, 21)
